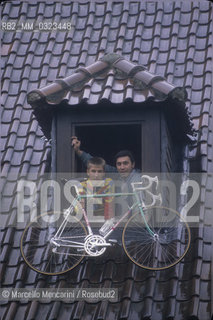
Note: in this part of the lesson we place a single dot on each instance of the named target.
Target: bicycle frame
(136, 204)
(150, 246)
(76, 200)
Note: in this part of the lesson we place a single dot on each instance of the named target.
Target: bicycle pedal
(113, 241)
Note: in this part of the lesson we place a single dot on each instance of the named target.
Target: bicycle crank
(95, 245)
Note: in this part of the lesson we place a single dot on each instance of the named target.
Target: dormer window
(111, 105)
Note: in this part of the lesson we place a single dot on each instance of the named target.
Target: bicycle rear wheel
(42, 255)
(164, 249)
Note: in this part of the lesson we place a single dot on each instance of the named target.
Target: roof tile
(14, 11)
(8, 155)
(208, 216)
(34, 47)
(36, 62)
(159, 36)
(9, 276)
(58, 309)
(202, 312)
(207, 251)
(7, 116)
(14, 257)
(16, 75)
(78, 311)
(52, 74)
(202, 30)
(43, 37)
(183, 293)
(21, 50)
(28, 60)
(206, 270)
(4, 129)
(17, 61)
(7, 38)
(6, 7)
(139, 27)
(8, 72)
(124, 309)
(136, 310)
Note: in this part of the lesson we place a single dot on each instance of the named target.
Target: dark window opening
(106, 140)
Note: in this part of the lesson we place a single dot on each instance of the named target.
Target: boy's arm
(109, 204)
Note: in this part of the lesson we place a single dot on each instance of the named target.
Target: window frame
(67, 119)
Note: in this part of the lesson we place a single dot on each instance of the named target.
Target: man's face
(124, 166)
(95, 172)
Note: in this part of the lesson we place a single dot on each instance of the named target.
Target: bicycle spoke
(42, 255)
(162, 247)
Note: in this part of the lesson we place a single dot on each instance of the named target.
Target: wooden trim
(63, 134)
(151, 143)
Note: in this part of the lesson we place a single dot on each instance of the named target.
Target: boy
(97, 184)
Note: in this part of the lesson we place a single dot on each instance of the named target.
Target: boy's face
(95, 172)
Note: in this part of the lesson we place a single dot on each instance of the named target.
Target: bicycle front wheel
(162, 244)
(53, 257)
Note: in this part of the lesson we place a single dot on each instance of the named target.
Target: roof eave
(55, 92)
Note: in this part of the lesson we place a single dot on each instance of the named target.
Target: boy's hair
(96, 161)
(125, 153)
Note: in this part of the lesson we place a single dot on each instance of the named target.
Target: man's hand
(76, 145)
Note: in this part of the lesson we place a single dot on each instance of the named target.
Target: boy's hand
(76, 145)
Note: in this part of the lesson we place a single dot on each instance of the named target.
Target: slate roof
(172, 40)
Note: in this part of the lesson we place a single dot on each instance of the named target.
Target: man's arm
(84, 156)
(76, 144)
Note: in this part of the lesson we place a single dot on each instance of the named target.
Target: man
(125, 166)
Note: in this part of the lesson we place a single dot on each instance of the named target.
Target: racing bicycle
(154, 237)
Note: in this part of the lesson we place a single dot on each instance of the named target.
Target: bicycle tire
(37, 250)
(168, 247)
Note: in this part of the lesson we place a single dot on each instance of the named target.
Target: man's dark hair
(125, 153)
(97, 161)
